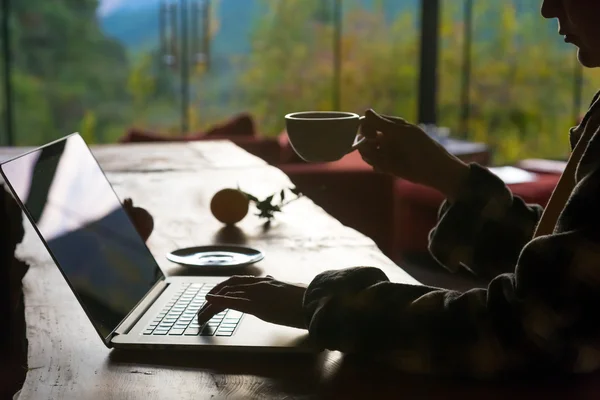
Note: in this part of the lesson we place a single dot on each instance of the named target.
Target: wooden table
(175, 182)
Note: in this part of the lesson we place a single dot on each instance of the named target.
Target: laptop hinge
(137, 313)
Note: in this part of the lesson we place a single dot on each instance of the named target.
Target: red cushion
(135, 135)
(241, 125)
(288, 155)
(416, 207)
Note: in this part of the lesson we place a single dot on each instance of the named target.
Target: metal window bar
(182, 44)
(337, 54)
(163, 15)
(6, 74)
(173, 53)
(428, 80)
(206, 23)
(466, 75)
(194, 28)
(185, 67)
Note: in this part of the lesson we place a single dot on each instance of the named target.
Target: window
(180, 66)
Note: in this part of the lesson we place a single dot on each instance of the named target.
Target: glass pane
(221, 58)
(90, 66)
(522, 97)
(380, 57)
(268, 57)
(4, 135)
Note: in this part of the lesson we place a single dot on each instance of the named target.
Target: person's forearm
(484, 227)
(452, 183)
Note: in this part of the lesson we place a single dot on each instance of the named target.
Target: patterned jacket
(537, 315)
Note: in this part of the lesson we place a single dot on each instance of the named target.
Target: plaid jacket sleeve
(540, 318)
(485, 229)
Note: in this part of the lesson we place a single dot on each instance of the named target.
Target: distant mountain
(133, 28)
(108, 7)
(135, 23)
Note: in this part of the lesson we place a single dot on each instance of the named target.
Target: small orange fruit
(229, 206)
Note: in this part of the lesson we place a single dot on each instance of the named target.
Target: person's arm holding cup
(402, 149)
(462, 237)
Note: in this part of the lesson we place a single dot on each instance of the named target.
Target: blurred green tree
(63, 65)
(522, 87)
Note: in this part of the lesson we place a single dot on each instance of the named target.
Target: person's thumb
(374, 122)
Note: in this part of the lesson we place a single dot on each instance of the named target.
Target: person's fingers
(371, 124)
(369, 155)
(237, 280)
(234, 302)
(397, 120)
(208, 311)
(379, 159)
(227, 300)
(248, 289)
(217, 303)
(370, 151)
(374, 121)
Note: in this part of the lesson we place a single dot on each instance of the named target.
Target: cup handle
(359, 139)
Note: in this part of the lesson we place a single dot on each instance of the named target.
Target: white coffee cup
(323, 136)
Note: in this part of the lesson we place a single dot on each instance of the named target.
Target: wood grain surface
(175, 183)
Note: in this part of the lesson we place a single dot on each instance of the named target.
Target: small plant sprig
(267, 207)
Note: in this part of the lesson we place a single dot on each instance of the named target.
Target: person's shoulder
(595, 98)
(576, 131)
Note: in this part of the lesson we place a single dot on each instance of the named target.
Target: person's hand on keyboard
(266, 298)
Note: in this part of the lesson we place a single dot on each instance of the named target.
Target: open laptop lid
(75, 211)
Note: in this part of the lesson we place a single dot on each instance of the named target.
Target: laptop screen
(85, 228)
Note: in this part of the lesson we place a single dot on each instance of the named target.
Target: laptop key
(191, 332)
(226, 328)
(221, 333)
(234, 314)
(175, 332)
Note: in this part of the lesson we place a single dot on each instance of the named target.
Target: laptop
(65, 194)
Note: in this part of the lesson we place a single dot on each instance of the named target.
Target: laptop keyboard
(179, 316)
